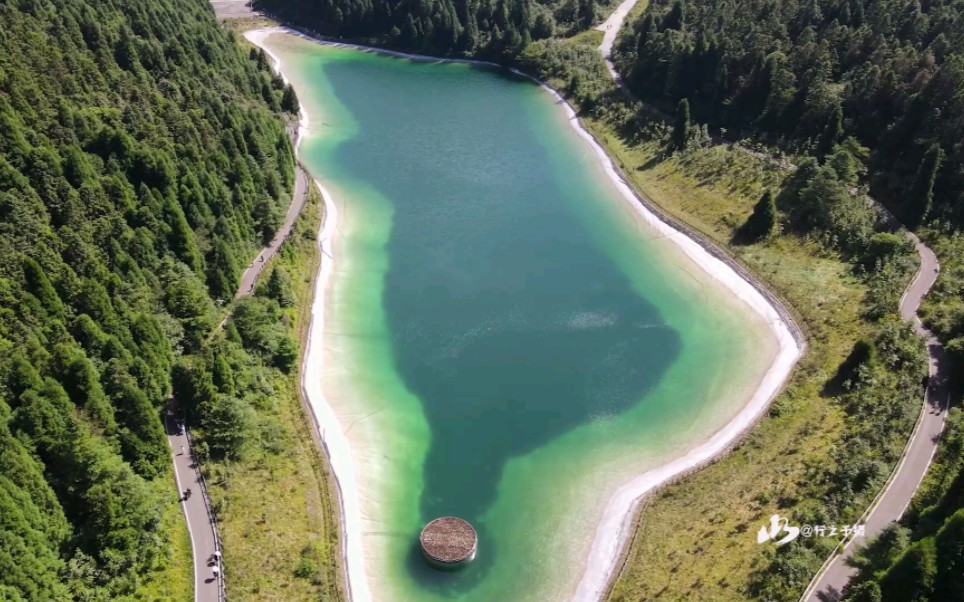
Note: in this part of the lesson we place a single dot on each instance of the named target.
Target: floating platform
(448, 543)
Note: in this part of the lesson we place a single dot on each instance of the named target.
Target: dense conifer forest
(871, 91)
(497, 29)
(143, 159)
(808, 73)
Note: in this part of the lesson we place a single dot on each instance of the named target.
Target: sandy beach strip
(614, 528)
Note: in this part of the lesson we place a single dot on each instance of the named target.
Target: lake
(506, 340)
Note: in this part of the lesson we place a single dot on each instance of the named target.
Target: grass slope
(175, 580)
(696, 539)
(275, 510)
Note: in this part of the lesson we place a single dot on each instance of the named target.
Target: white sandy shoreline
(615, 526)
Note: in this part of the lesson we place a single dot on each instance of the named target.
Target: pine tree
(912, 576)
(279, 287)
(676, 16)
(470, 35)
(922, 194)
(38, 284)
(289, 100)
(863, 354)
(868, 591)
(781, 87)
(181, 237)
(587, 12)
(261, 59)
(950, 558)
(681, 131)
(832, 133)
(763, 221)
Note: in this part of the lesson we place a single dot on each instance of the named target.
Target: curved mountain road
(896, 495)
(298, 197)
(201, 522)
(610, 28)
(892, 501)
(201, 526)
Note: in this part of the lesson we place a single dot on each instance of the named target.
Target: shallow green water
(510, 344)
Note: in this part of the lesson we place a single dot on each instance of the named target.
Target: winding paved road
(201, 523)
(896, 495)
(205, 544)
(610, 28)
(250, 276)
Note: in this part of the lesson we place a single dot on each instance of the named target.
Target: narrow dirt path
(896, 495)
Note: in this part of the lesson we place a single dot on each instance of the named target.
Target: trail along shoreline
(615, 526)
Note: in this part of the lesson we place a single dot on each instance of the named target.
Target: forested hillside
(488, 28)
(143, 158)
(827, 78)
(808, 73)
(922, 559)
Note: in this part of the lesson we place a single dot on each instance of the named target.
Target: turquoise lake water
(506, 341)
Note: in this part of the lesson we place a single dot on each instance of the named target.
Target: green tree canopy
(763, 221)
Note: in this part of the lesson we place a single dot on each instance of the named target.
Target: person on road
(187, 493)
(182, 450)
